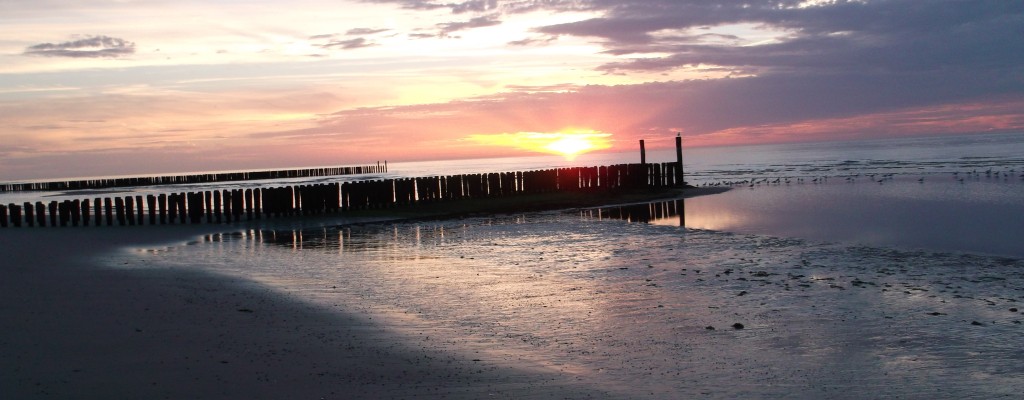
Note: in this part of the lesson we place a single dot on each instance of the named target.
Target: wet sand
(70, 329)
(542, 315)
(73, 328)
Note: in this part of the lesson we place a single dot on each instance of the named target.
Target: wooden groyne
(103, 183)
(229, 206)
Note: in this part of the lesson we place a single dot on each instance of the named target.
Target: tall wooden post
(679, 160)
(643, 153)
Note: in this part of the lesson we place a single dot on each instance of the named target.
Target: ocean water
(866, 270)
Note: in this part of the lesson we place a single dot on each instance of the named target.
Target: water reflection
(370, 238)
(667, 213)
(936, 215)
(939, 215)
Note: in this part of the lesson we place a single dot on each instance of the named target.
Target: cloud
(349, 44)
(365, 31)
(534, 41)
(456, 7)
(331, 41)
(799, 60)
(839, 36)
(87, 47)
(477, 22)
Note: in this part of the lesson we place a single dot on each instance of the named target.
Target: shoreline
(72, 327)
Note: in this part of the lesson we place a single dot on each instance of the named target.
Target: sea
(871, 269)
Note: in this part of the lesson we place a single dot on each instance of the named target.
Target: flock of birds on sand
(879, 178)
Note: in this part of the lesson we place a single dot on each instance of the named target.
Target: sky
(123, 87)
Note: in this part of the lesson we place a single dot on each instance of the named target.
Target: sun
(570, 146)
(568, 143)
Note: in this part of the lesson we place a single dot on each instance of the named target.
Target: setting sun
(568, 143)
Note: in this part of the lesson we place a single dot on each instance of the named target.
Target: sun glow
(568, 143)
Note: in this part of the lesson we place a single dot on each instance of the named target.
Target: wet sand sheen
(70, 329)
(626, 308)
(536, 305)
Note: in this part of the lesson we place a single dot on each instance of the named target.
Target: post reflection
(361, 238)
(669, 213)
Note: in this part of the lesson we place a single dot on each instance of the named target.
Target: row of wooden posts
(102, 183)
(225, 206)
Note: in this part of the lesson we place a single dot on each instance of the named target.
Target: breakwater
(105, 183)
(229, 206)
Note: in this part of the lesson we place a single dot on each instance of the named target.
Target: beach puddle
(655, 310)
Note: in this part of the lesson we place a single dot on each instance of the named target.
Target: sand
(819, 320)
(71, 329)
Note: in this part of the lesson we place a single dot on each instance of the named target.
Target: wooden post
(181, 208)
(97, 207)
(85, 212)
(40, 213)
(172, 208)
(108, 206)
(76, 208)
(129, 209)
(151, 202)
(162, 206)
(248, 204)
(53, 213)
(227, 205)
(29, 219)
(257, 202)
(216, 206)
(643, 153)
(3, 215)
(208, 202)
(138, 202)
(64, 208)
(679, 159)
(237, 204)
(15, 215)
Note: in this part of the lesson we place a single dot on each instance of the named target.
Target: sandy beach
(436, 309)
(71, 329)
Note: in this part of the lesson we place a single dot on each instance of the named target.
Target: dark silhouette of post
(679, 159)
(29, 217)
(643, 153)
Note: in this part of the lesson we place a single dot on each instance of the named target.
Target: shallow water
(938, 213)
(627, 307)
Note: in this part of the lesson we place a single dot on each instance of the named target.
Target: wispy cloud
(349, 44)
(365, 31)
(87, 47)
(477, 22)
